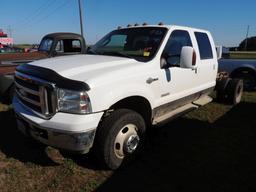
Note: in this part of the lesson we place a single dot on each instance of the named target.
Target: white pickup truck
(133, 78)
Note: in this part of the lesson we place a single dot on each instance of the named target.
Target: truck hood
(84, 67)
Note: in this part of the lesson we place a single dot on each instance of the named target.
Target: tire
(234, 91)
(119, 138)
(249, 79)
(221, 89)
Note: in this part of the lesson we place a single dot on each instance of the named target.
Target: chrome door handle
(151, 80)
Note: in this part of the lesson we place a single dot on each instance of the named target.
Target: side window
(59, 47)
(76, 46)
(172, 51)
(46, 45)
(204, 45)
(68, 46)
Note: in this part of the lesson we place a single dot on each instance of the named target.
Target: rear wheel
(221, 89)
(119, 137)
(235, 91)
(249, 79)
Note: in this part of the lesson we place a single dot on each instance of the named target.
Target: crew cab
(104, 101)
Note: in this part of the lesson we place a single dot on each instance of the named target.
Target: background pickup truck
(105, 100)
(52, 45)
(244, 69)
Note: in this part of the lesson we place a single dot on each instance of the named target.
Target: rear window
(204, 45)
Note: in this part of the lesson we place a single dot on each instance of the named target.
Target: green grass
(242, 55)
(23, 46)
(209, 148)
(4, 107)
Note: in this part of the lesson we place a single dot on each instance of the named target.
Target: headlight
(73, 101)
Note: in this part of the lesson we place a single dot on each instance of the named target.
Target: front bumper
(64, 131)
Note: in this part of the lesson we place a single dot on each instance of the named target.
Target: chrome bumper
(79, 142)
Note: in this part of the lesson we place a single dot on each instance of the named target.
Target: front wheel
(119, 137)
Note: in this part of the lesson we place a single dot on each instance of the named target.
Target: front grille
(36, 94)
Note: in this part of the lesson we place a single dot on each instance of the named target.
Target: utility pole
(81, 16)
(246, 39)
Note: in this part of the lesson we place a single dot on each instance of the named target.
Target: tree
(251, 44)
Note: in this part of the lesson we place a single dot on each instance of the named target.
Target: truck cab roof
(64, 35)
(166, 26)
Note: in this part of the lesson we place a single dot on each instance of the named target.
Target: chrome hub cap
(126, 141)
(132, 143)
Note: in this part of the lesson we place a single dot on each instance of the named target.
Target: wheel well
(239, 70)
(138, 104)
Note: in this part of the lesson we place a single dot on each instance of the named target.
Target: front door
(178, 84)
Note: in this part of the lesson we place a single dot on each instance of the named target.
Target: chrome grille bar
(28, 100)
(27, 89)
(36, 94)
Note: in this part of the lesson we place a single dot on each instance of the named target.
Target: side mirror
(219, 50)
(163, 63)
(88, 48)
(188, 58)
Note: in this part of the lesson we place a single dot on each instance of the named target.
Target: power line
(54, 11)
(40, 20)
(38, 10)
(30, 19)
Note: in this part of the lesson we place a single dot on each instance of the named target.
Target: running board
(175, 113)
(202, 101)
(182, 110)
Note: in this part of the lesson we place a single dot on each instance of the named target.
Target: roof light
(136, 24)
(119, 27)
(145, 24)
(160, 23)
(129, 25)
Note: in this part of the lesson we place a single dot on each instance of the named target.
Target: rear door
(207, 62)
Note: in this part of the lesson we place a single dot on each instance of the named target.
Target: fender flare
(245, 68)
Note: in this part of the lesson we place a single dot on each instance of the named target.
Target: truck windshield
(45, 45)
(140, 43)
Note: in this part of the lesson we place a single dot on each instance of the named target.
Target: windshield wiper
(92, 52)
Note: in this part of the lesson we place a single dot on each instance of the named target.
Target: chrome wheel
(126, 141)
(239, 94)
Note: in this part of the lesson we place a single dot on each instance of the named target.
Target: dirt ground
(210, 149)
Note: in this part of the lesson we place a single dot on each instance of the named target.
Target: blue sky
(32, 19)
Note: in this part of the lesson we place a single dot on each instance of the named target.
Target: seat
(139, 45)
(174, 48)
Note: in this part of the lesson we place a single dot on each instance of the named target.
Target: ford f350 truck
(104, 101)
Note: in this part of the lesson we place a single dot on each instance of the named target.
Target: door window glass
(172, 51)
